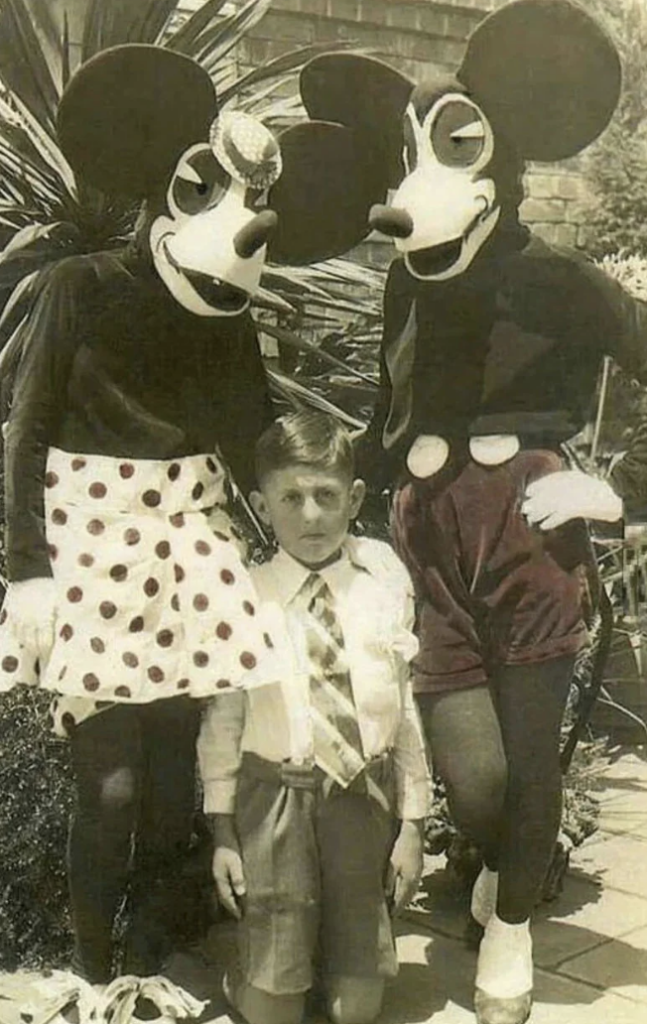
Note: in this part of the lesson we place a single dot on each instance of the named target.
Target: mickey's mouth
(436, 259)
(216, 293)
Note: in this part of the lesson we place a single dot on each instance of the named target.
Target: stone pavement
(590, 943)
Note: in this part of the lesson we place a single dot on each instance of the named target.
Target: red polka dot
(165, 637)
(223, 630)
(52, 551)
(268, 640)
(90, 681)
(222, 536)
(74, 595)
(51, 479)
(136, 625)
(95, 527)
(97, 645)
(66, 632)
(177, 519)
(3, 616)
(78, 464)
(86, 560)
(197, 491)
(201, 602)
(202, 547)
(227, 576)
(118, 573)
(9, 663)
(155, 674)
(59, 516)
(62, 673)
(151, 498)
(123, 691)
(211, 466)
(37, 667)
(107, 610)
(179, 573)
(201, 658)
(68, 721)
(132, 536)
(151, 586)
(175, 603)
(163, 549)
(126, 470)
(249, 608)
(248, 660)
(130, 659)
(97, 489)
(173, 471)
(223, 684)
(183, 684)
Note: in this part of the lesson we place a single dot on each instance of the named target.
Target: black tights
(497, 750)
(135, 780)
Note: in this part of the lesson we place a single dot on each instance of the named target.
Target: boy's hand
(405, 865)
(227, 865)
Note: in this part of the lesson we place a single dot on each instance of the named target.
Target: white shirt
(374, 605)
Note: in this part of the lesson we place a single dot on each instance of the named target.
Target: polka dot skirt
(153, 599)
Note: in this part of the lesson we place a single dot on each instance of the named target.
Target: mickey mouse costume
(491, 348)
(140, 387)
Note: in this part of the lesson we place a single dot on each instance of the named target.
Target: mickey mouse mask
(143, 122)
(539, 81)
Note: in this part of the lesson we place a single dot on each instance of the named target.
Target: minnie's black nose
(390, 221)
(255, 234)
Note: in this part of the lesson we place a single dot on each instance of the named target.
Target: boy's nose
(310, 509)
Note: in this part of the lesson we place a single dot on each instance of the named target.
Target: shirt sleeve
(50, 336)
(219, 750)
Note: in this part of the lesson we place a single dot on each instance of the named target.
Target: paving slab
(619, 966)
(620, 862)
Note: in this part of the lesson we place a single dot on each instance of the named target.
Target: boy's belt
(378, 769)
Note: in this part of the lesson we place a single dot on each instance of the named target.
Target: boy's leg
(164, 829)
(355, 835)
(106, 755)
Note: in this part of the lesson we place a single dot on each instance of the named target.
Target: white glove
(559, 497)
(31, 605)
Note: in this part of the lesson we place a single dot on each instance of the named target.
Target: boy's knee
(118, 790)
(259, 1007)
(354, 1000)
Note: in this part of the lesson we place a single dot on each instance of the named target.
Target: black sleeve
(250, 406)
(37, 406)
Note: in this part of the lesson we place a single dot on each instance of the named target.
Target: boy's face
(309, 510)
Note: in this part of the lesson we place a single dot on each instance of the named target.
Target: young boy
(319, 786)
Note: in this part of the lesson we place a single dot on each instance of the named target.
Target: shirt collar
(290, 575)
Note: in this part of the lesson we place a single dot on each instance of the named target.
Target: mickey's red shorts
(491, 589)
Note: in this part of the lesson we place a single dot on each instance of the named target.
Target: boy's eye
(292, 498)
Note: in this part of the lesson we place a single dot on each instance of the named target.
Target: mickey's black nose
(255, 234)
(390, 221)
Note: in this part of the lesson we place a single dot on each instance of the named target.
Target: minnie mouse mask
(221, 193)
(539, 81)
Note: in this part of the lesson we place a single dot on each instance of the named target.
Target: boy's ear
(357, 493)
(258, 503)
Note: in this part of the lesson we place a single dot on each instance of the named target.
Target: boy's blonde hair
(306, 438)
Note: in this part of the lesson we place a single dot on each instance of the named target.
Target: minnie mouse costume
(491, 348)
(140, 388)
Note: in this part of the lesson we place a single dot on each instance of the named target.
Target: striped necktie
(336, 736)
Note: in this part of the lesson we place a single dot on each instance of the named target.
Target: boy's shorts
(315, 869)
(492, 590)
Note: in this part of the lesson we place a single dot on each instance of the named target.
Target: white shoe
(504, 973)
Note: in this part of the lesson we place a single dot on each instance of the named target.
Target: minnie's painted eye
(199, 183)
(458, 135)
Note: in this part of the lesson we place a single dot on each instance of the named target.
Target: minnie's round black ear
(363, 94)
(130, 112)
(327, 186)
(546, 74)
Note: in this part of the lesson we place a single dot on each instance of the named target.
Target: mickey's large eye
(459, 134)
(199, 182)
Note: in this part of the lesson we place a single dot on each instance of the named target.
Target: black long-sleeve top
(513, 346)
(113, 365)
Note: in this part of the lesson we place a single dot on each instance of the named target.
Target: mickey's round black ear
(363, 94)
(128, 115)
(546, 74)
(327, 186)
